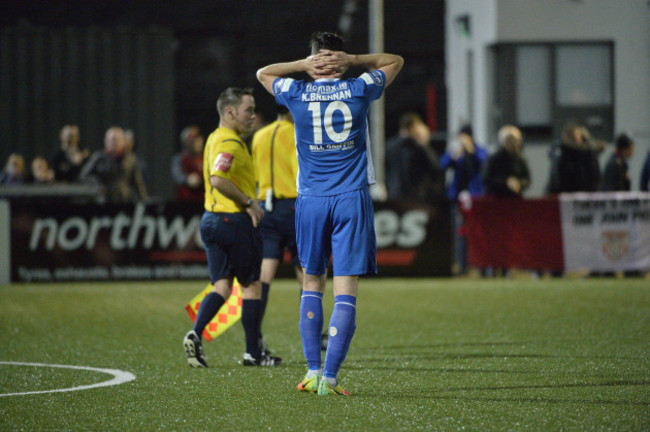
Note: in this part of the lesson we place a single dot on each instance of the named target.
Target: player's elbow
(400, 62)
(265, 79)
(397, 64)
(393, 69)
(259, 74)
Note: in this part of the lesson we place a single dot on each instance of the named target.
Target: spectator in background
(412, 169)
(68, 160)
(187, 166)
(129, 149)
(574, 162)
(41, 171)
(466, 158)
(506, 173)
(14, 170)
(596, 147)
(116, 170)
(616, 176)
(645, 174)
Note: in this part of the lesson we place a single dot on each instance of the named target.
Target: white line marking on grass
(119, 377)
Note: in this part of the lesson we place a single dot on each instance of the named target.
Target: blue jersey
(332, 140)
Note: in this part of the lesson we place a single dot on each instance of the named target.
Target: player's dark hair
(232, 96)
(326, 40)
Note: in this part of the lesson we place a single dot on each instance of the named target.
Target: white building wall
(462, 105)
(625, 22)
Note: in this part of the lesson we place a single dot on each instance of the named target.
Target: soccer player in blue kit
(334, 211)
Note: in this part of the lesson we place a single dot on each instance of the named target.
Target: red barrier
(515, 233)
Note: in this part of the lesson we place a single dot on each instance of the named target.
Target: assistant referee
(229, 230)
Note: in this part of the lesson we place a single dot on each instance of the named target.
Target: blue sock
(252, 321)
(341, 330)
(210, 305)
(311, 326)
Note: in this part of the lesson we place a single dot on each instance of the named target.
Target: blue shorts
(232, 245)
(341, 226)
(278, 229)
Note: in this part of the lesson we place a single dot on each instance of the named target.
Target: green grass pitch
(434, 354)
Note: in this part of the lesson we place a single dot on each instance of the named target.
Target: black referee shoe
(194, 350)
(264, 348)
(262, 360)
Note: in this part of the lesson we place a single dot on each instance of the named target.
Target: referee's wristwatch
(248, 203)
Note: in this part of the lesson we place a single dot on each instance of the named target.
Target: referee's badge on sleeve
(223, 162)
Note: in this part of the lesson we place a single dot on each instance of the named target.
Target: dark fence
(95, 78)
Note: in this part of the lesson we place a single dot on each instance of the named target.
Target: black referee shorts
(232, 245)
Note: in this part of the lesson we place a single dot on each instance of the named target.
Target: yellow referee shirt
(276, 164)
(227, 156)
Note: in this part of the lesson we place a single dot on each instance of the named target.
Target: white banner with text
(606, 231)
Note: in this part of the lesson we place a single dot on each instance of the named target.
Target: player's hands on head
(330, 64)
(310, 67)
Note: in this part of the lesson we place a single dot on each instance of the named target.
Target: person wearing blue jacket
(466, 160)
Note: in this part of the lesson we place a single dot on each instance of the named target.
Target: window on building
(539, 87)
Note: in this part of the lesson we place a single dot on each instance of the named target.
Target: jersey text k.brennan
(332, 140)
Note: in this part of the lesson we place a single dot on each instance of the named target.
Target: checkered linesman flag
(229, 313)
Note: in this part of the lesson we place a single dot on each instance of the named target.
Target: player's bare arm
(227, 188)
(270, 73)
(340, 61)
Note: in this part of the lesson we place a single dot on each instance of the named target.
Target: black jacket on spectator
(412, 171)
(64, 168)
(645, 174)
(499, 167)
(616, 177)
(573, 169)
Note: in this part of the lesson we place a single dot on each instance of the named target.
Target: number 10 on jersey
(326, 121)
